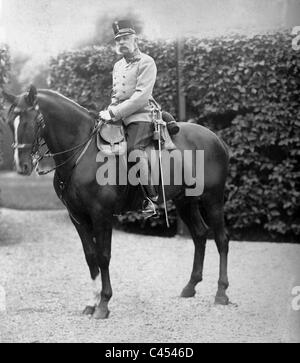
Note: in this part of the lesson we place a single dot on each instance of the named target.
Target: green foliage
(84, 76)
(259, 73)
(4, 70)
(262, 75)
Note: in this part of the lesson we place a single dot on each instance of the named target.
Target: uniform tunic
(133, 83)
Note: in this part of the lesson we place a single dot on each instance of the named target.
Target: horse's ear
(31, 97)
(9, 97)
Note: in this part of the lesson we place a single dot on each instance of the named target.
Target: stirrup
(150, 209)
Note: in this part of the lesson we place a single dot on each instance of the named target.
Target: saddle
(111, 138)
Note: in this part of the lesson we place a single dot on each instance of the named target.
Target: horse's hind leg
(190, 214)
(215, 214)
(89, 249)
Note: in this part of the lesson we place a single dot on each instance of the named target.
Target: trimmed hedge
(4, 72)
(259, 74)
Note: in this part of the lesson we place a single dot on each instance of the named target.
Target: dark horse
(64, 125)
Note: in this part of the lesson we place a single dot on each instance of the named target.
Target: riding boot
(150, 203)
(172, 125)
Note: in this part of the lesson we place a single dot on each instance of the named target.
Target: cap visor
(125, 33)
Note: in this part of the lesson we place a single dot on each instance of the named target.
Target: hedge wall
(4, 71)
(259, 74)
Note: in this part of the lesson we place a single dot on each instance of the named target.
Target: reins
(36, 155)
(37, 158)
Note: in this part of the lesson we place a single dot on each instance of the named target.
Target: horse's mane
(10, 110)
(65, 100)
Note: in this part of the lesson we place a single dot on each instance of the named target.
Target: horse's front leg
(86, 235)
(103, 233)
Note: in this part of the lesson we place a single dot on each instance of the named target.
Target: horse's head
(22, 117)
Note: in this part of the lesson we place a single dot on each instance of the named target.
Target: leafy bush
(4, 72)
(221, 75)
(260, 74)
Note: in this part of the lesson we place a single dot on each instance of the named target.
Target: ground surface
(28, 192)
(44, 274)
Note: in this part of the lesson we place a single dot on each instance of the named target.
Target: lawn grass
(28, 192)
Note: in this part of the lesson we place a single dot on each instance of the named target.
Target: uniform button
(124, 76)
(123, 84)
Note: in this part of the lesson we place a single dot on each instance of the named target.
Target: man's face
(126, 44)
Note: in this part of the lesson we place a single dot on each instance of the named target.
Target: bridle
(40, 123)
(37, 156)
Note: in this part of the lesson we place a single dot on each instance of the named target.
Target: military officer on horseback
(132, 102)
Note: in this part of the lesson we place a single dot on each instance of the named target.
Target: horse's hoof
(101, 314)
(222, 300)
(188, 292)
(89, 310)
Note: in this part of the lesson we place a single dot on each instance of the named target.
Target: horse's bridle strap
(20, 146)
(39, 120)
(36, 145)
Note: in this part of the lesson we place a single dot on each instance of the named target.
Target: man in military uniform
(134, 77)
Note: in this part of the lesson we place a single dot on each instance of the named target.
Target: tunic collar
(136, 56)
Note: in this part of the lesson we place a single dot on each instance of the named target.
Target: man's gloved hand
(105, 115)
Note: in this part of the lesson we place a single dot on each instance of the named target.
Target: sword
(158, 124)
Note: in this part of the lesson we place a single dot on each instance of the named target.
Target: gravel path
(47, 284)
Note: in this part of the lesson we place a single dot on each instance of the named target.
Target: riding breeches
(139, 135)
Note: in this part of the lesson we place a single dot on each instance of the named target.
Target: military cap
(123, 27)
